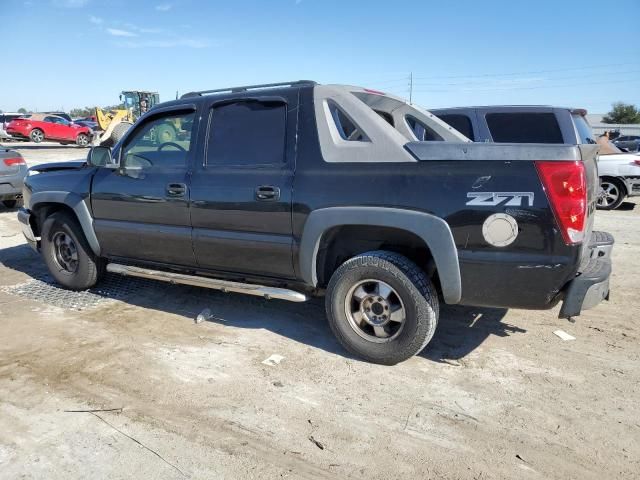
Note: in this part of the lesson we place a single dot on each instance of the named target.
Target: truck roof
(579, 111)
(380, 104)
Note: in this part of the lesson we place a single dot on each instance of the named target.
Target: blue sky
(71, 53)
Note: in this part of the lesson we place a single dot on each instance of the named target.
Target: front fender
(79, 207)
(434, 231)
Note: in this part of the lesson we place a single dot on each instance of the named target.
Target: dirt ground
(495, 395)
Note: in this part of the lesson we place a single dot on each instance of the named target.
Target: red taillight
(566, 187)
(637, 162)
(9, 162)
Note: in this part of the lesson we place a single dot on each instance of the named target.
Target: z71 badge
(491, 199)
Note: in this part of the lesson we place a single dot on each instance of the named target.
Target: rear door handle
(176, 189)
(267, 192)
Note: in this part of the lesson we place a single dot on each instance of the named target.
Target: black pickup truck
(299, 189)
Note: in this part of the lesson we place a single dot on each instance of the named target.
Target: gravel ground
(495, 395)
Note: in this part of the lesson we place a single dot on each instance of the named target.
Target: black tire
(36, 135)
(119, 131)
(165, 133)
(412, 287)
(83, 140)
(613, 193)
(10, 203)
(89, 267)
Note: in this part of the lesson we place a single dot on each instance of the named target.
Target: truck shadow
(460, 331)
(627, 206)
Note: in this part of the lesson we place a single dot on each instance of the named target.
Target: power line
(600, 74)
(586, 67)
(608, 82)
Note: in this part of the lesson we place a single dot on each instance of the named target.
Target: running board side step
(206, 282)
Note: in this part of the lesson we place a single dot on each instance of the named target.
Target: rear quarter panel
(529, 273)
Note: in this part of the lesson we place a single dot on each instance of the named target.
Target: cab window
(161, 143)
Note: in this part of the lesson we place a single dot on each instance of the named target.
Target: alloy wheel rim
(609, 194)
(65, 252)
(37, 136)
(375, 311)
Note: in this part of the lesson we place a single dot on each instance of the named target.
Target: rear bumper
(591, 285)
(17, 133)
(24, 217)
(11, 185)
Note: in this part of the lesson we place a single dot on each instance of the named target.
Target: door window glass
(524, 127)
(162, 142)
(247, 133)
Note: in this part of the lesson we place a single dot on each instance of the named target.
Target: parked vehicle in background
(86, 122)
(40, 126)
(12, 172)
(520, 124)
(5, 119)
(619, 175)
(64, 115)
(630, 143)
(342, 199)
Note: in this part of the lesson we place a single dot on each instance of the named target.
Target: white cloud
(167, 43)
(163, 7)
(70, 3)
(95, 20)
(120, 33)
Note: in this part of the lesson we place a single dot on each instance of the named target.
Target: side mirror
(100, 156)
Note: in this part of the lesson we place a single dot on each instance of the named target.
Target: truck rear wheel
(382, 307)
(67, 253)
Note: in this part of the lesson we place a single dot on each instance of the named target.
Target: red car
(40, 126)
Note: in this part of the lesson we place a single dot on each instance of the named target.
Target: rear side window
(421, 131)
(346, 127)
(524, 128)
(585, 134)
(461, 123)
(247, 133)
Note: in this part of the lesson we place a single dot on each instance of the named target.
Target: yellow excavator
(113, 124)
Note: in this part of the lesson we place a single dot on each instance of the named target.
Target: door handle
(267, 192)
(176, 189)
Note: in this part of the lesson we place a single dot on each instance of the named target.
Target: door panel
(241, 194)
(51, 128)
(141, 210)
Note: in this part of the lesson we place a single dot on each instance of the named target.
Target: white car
(619, 178)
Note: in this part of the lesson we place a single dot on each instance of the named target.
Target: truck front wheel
(67, 254)
(382, 307)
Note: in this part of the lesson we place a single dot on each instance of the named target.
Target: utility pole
(410, 88)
